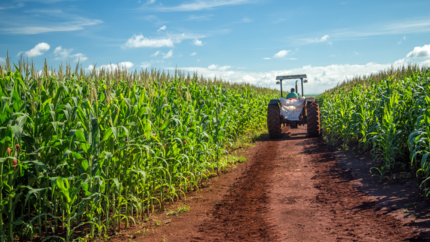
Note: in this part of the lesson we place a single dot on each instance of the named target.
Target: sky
(249, 41)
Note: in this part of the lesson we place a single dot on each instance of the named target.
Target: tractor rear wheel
(313, 119)
(273, 121)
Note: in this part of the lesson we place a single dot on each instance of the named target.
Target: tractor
(306, 111)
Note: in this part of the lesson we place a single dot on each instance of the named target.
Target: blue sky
(238, 40)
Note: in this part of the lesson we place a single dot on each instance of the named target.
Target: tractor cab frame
(309, 115)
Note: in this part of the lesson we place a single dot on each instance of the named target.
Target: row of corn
(92, 153)
(390, 117)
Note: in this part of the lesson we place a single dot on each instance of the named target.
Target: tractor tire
(313, 120)
(273, 121)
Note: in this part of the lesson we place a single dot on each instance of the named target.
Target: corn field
(389, 116)
(86, 154)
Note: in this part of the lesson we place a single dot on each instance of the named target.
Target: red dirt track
(291, 189)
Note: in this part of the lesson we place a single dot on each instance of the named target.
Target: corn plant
(98, 151)
(386, 113)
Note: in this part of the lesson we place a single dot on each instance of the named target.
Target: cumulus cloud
(193, 54)
(220, 68)
(281, 54)
(168, 54)
(112, 67)
(61, 54)
(162, 28)
(320, 78)
(39, 49)
(137, 41)
(197, 42)
(212, 67)
(420, 52)
(323, 39)
(266, 58)
(155, 54)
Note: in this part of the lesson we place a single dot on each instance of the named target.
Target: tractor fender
(274, 101)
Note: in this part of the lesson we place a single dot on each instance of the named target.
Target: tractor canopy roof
(299, 76)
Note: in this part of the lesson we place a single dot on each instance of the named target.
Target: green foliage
(100, 150)
(390, 117)
(181, 209)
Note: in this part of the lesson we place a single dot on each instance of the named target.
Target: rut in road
(241, 215)
(291, 189)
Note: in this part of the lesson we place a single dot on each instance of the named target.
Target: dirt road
(291, 189)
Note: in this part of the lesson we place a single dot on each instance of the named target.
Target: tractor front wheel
(313, 119)
(273, 121)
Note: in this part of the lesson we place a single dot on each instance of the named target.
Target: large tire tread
(313, 120)
(273, 121)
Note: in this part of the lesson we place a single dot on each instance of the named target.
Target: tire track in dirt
(291, 189)
(240, 216)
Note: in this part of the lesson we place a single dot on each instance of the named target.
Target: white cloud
(220, 68)
(145, 65)
(193, 54)
(197, 5)
(61, 54)
(39, 49)
(200, 18)
(155, 54)
(324, 38)
(266, 58)
(52, 21)
(79, 57)
(400, 27)
(168, 54)
(139, 41)
(19, 5)
(281, 54)
(420, 52)
(224, 68)
(2, 59)
(315, 40)
(197, 42)
(162, 28)
(320, 78)
(392, 28)
(112, 67)
(212, 67)
(41, 72)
